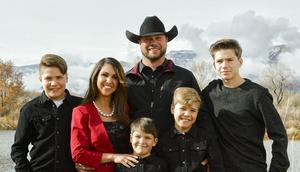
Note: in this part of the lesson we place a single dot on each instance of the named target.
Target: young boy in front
(143, 138)
(186, 147)
(45, 122)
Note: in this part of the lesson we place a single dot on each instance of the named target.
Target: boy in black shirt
(143, 138)
(45, 122)
(185, 146)
(242, 111)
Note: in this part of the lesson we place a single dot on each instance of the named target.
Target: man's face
(54, 82)
(227, 64)
(153, 47)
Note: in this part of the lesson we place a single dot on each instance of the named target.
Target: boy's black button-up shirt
(185, 152)
(47, 128)
(147, 164)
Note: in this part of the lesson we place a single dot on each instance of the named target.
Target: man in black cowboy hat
(154, 78)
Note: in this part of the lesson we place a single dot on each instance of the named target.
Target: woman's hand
(83, 168)
(128, 160)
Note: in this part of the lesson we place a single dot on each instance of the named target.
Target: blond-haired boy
(185, 146)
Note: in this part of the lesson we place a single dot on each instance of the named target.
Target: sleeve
(163, 166)
(80, 141)
(23, 137)
(276, 132)
(215, 159)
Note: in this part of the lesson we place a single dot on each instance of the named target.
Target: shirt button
(57, 147)
(57, 118)
(57, 132)
(152, 91)
(183, 162)
(183, 150)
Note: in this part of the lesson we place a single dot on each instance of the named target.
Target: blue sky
(85, 31)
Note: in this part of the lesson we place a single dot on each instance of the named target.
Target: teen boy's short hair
(226, 44)
(186, 96)
(145, 124)
(52, 60)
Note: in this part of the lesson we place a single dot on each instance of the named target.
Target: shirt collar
(167, 66)
(44, 98)
(192, 132)
(149, 158)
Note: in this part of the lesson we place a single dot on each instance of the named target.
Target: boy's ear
(155, 142)
(130, 138)
(172, 108)
(67, 78)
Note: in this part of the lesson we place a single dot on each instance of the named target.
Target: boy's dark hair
(145, 124)
(52, 60)
(226, 44)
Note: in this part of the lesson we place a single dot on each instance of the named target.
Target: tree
(277, 78)
(11, 87)
(203, 72)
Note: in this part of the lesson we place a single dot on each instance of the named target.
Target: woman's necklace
(103, 113)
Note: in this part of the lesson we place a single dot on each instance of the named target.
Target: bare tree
(277, 78)
(203, 72)
(11, 87)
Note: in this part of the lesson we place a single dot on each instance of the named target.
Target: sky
(85, 31)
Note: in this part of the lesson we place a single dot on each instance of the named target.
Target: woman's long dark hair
(119, 97)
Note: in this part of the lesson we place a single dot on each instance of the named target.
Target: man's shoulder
(177, 68)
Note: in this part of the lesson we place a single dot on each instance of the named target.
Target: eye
(115, 77)
(149, 137)
(104, 74)
(137, 136)
(193, 110)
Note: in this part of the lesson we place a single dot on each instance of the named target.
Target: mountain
(78, 76)
(184, 58)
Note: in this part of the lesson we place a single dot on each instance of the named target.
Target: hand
(204, 163)
(83, 168)
(127, 160)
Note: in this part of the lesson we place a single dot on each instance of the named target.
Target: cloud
(257, 35)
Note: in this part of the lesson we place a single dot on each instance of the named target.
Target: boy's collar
(44, 98)
(192, 132)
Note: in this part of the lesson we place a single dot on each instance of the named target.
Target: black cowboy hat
(152, 26)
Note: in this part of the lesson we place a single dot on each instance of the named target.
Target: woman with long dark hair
(100, 131)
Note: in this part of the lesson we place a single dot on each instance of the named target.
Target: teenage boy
(143, 138)
(242, 111)
(45, 122)
(186, 147)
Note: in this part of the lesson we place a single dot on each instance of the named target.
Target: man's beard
(156, 57)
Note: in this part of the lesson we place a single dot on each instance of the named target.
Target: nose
(186, 113)
(109, 79)
(53, 82)
(225, 64)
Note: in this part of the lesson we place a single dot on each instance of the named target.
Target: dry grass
(289, 111)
